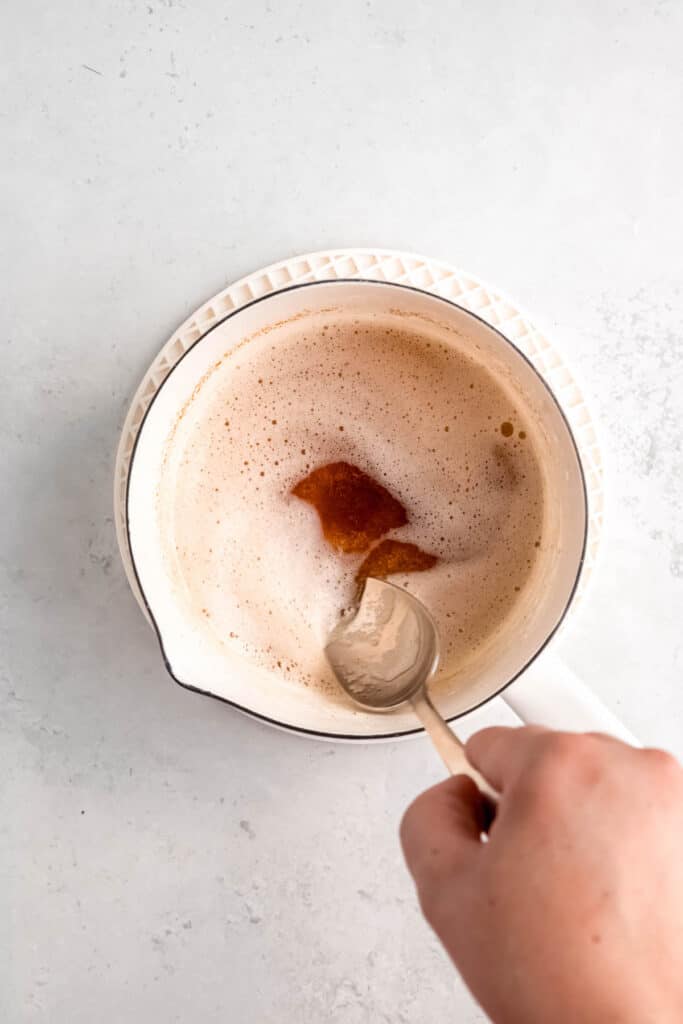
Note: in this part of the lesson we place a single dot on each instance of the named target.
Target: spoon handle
(448, 746)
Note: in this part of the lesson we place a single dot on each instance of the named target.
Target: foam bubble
(418, 416)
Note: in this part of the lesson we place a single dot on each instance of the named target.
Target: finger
(441, 830)
(501, 751)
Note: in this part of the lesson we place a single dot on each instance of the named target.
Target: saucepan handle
(548, 693)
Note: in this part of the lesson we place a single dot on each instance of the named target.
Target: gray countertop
(165, 859)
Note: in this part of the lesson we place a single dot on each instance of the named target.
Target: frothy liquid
(419, 417)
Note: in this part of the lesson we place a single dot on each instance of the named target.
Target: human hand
(572, 912)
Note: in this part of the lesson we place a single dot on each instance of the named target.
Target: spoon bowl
(386, 650)
(384, 653)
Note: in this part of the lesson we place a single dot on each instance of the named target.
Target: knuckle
(415, 824)
(664, 766)
(570, 754)
(557, 753)
(437, 892)
(432, 903)
(430, 879)
(409, 822)
(561, 760)
(562, 747)
(415, 811)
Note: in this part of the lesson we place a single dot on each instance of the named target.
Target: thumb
(441, 836)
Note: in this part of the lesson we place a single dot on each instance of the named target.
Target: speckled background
(164, 859)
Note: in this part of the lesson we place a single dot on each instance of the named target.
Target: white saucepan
(546, 692)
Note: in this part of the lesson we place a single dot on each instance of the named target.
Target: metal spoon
(384, 654)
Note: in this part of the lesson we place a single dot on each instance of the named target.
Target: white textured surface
(164, 859)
